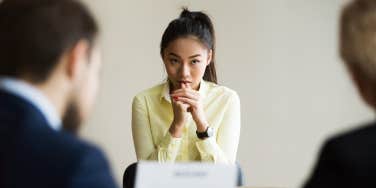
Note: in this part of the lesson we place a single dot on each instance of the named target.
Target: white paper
(185, 175)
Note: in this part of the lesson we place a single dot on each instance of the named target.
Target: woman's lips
(185, 82)
(181, 84)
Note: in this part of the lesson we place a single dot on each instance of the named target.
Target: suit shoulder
(71, 147)
(353, 144)
(90, 152)
(92, 168)
(79, 151)
(77, 143)
(362, 134)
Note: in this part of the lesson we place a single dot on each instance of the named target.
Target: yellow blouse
(152, 116)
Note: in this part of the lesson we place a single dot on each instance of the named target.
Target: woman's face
(185, 60)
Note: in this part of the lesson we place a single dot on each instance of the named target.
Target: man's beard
(72, 119)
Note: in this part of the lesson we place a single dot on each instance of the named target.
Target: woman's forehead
(186, 47)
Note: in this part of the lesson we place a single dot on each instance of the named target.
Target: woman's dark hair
(196, 24)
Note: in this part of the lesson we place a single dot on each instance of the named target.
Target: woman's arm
(146, 149)
(224, 149)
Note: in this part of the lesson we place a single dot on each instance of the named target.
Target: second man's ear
(77, 59)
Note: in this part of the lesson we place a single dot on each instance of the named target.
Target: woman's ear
(210, 56)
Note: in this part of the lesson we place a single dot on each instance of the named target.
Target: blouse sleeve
(146, 149)
(224, 148)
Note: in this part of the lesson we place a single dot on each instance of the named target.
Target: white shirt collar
(35, 97)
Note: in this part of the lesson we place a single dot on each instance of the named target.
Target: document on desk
(185, 175)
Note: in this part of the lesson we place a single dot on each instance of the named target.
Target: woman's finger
(190, 102)
(183, 90)
(187, 93)
(181, 104)
(183, 86)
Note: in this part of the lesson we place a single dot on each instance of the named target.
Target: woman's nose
(184, 71)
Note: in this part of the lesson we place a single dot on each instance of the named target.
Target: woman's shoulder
(220, 90)
(152, 92)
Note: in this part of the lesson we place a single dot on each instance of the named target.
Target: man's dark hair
(34, 34)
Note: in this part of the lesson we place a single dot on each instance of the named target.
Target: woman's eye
(174, 61)
(195, 61)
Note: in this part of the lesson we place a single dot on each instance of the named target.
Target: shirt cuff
(169, 148)
(207, 149)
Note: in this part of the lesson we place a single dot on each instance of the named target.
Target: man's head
(52, 44)
(358, 46)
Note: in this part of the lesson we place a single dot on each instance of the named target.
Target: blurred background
(279, 55)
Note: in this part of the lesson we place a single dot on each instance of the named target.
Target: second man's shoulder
(354, 142)
(363, 134)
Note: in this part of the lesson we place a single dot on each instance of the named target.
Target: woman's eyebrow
(193, 56)
(173, 54)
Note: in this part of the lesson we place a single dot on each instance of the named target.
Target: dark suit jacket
(347, 160)
(35, 155)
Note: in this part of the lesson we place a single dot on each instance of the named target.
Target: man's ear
(77, 59)
(210, 57)
(364, 85)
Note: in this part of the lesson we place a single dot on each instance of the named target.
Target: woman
(189, 117)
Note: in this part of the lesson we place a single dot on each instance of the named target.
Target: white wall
(279, 55)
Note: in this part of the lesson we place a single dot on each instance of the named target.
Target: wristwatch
(209, 132)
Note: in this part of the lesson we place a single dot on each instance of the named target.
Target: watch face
(210, 132)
